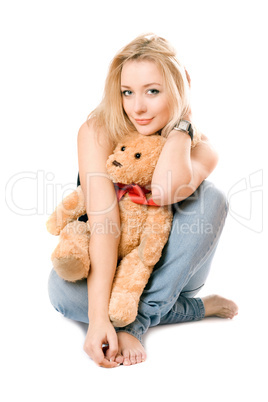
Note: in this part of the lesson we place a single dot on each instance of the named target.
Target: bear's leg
(71, 257)
(130, 279)
(155, 235)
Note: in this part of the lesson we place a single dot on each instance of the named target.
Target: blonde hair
(110, 113)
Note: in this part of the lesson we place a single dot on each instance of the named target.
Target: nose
(117, 163)
(140, 105)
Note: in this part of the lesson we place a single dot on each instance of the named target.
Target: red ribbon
(136, 193)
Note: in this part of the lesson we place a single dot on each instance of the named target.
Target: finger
(107, 364)
(113, 346)
(94, 351)
(98, 357)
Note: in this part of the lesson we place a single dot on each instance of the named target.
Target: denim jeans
(177, 277)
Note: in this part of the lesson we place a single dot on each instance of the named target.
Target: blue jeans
(177, 277)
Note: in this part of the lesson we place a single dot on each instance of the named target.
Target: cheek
(126, 106)
(162, 107)
(164, 111)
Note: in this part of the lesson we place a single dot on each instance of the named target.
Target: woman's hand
(101, 332)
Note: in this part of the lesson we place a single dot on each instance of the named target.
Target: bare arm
(180, 170)
(103, 215)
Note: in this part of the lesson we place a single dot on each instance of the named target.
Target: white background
(54, 59)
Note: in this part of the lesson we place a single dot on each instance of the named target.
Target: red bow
(136, 193)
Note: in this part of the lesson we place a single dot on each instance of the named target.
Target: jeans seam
(192, 290)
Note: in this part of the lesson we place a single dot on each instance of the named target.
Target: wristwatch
(185, 126)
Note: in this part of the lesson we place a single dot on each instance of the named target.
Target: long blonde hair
(110, 113)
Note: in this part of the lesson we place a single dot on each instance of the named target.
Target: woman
(146, 89)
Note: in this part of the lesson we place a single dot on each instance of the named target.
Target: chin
(146, 131)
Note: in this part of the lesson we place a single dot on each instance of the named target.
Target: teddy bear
(144, 230)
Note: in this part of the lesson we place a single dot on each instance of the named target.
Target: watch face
(184, 125)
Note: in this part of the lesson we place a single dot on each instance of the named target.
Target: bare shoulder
(89, 135)
(93, 149)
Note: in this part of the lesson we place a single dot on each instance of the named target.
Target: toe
(126, 362)
(138, 357)
(133, 358)
(126, 357)
(119, 359)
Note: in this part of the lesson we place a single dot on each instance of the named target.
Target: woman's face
(144, 96)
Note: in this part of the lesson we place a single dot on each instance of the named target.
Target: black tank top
(83, 218)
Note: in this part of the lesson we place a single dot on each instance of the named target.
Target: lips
(143, 122)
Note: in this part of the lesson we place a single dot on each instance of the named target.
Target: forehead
(141, 72)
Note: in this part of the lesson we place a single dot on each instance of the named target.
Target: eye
(123, 148)
(137, 156)
(153, 91)
(126, 93)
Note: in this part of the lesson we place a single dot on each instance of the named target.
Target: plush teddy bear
(145, 227)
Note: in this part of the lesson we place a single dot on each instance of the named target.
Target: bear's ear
(119, 147)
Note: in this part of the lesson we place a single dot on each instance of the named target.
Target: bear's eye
(137, 156)
(123, 148)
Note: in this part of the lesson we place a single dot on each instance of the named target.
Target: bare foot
(130, 350)
(219, 306)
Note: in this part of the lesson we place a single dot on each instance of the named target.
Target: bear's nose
(117, 163)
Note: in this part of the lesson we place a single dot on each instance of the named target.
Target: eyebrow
(144, 86)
